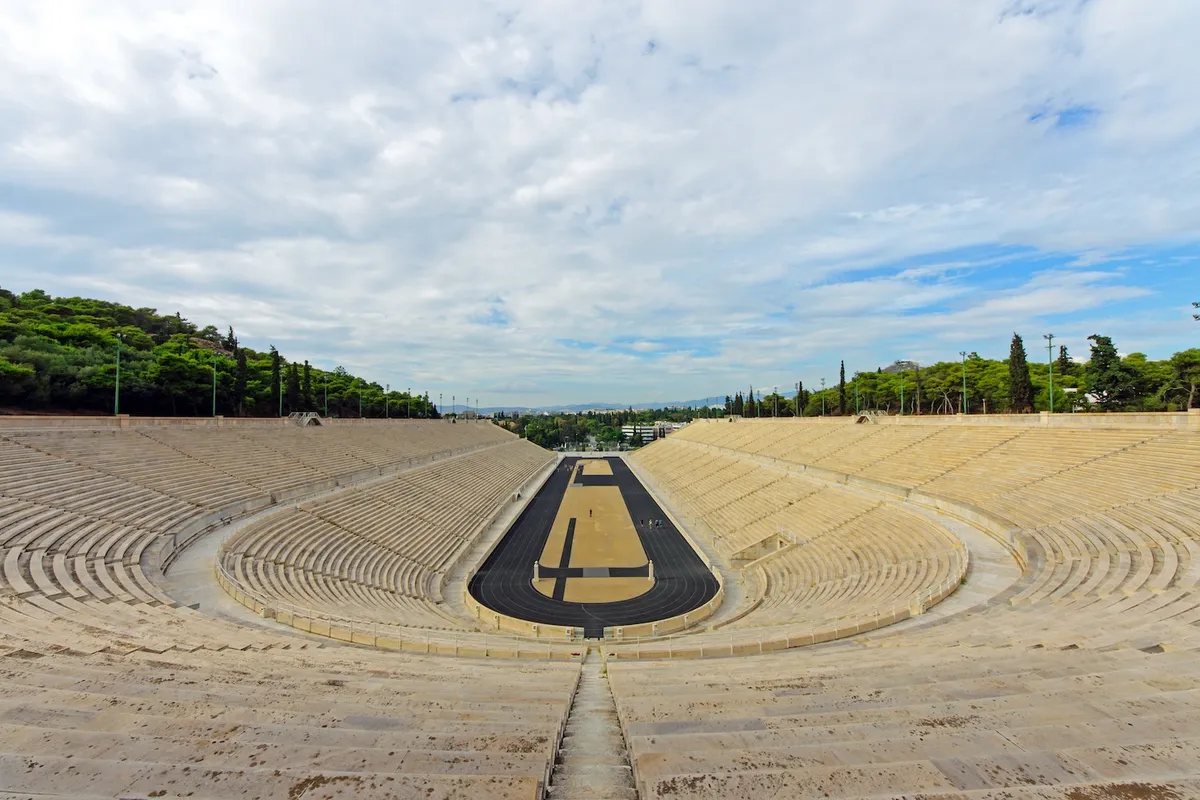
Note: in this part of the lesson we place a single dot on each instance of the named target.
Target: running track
(504, 582)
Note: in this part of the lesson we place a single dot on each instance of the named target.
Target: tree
(751, 409)
(842, 390)
(1063, 364)
(800, 404)
(240, 381)
(308, 395)
(1108, 379)
(275, 376)
(1185, 378)
(293, 387)
(918, 391)
(739, 405)
(230, 342)
(1020, 387)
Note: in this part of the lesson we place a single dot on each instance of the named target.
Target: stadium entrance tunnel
(594, 552)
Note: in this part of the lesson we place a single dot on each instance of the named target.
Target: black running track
(504, 582)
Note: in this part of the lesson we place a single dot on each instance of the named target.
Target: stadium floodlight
(963, 407)
(117, 389)
(1049, 337)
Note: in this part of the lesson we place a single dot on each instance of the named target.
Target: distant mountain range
(578, 407)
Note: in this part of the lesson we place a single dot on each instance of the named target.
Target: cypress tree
(842, 390)
(739, 405)
(293, 388)
(1020, 387)
(1063, 364)
(918, 390)
(1108, 378)
(308, 395)
(800, 399)
(275, 376)
(751, 411)
(241, 377)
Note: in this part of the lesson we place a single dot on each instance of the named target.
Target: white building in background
(651, 431)
(644, 430)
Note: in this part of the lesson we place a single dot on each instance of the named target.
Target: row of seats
(1079, 681)
(934, 721)
(1107, 517)
(825, 554)
(378, 553)
(110, 688)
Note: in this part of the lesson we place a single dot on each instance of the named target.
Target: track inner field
(504, 582)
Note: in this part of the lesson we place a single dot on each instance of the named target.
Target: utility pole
(117, 390)
(963, 407)
(775, 402)
(1049, 337)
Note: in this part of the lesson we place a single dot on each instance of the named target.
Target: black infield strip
(564, 561)
(505, 581)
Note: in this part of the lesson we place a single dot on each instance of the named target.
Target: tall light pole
(359, 398)
(1049, 337)
(902, 393)
(214, 383)
(963, 407)
(822, 397)
(326, 394)
(454, 404)
(775, 402)
(439, 408)
(387, 401)
(281, 379)
(856, 409)
(409, 403)
(117, 390)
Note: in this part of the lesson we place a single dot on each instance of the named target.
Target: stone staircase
(592, 759)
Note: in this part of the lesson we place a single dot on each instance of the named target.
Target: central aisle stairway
(592, 761)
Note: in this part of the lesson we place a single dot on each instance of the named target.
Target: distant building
(643, 430)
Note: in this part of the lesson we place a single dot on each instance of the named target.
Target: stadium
(641, 400)
(920, 606)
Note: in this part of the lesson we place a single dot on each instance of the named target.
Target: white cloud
(782, 181)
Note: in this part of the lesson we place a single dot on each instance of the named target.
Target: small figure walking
(589, 512)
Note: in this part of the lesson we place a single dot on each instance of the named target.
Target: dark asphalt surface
(504, 582)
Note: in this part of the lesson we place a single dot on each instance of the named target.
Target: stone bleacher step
(592, 760)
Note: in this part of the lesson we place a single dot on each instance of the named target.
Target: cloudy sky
(547, 202)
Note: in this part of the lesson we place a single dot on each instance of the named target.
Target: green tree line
(1105, 382)
(61, 355)
(575, 429)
